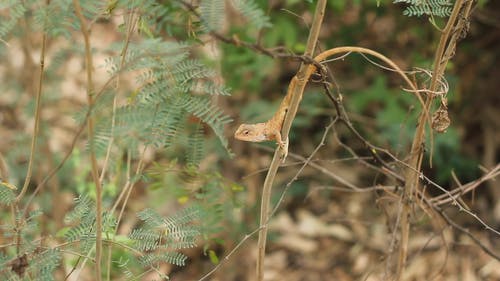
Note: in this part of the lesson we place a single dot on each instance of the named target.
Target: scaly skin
(270, 130)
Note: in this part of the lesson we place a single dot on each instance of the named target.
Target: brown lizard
(271, 130)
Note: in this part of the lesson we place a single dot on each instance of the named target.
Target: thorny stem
(416, 153)
(90, 129)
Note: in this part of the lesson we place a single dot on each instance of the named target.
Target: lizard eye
(246, 132)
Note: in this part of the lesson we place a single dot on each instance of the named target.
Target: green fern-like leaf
(83, 208)
(42, 265)
(15, 10)
(176, 258)
(146, 239)
(171, 88)
(212, 14)
(151, 218)
(182, 218)
(123, 264)
(56, 18)
(209, 114)
(195, 146)
(204, 86)
(80, 232)
(83, 218)
(7, 196)
(439, 8)
(161, 237)
(168, 125)
(251, 11)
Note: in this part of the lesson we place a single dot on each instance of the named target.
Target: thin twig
(226, 258)
(471, 236)
(90, 128)
(130, 22)
(36, 128)
(34, 137)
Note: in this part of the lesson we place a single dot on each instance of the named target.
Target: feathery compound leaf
(56, 18)
(178, 259)
(42, 265)
(182, 218)
(16, 10)
(83, 215)
(167, 125)
(7, 196)
(151, 218)
(212, 14)
(200, 107)
(251, 11)
(146, 239)
(196, 146)
(439, 8)
(161, 236)
(84, 206)
(204, 86)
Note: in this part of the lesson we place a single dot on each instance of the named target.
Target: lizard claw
(284, 149)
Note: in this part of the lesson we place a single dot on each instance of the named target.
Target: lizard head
(251, 132)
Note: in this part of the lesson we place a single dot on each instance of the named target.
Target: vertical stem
(417, 151)
(273, 169)
(90, 128)
(130, 22)
(37, 118)
(36, 128)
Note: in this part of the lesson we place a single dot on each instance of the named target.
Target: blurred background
(337, 219)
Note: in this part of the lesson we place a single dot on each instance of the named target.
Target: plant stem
(37, 119)
(90, 128)
(417, 151)
(294, 104)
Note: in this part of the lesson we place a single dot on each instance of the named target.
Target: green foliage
(449, 158)
(208, 192)
(42, 265)
(212, 14)
(158, 238)
(55, 19)
(196, 146)
(38, 266)
(16, 10)
(82, 221)
(439, 8)
(7, 196)
(171, 89)
(162, 237)
(32, 261)
(392, 110)
(251, 11)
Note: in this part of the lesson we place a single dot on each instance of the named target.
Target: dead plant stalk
(273, 169)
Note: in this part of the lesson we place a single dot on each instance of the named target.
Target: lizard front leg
(283, 145)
